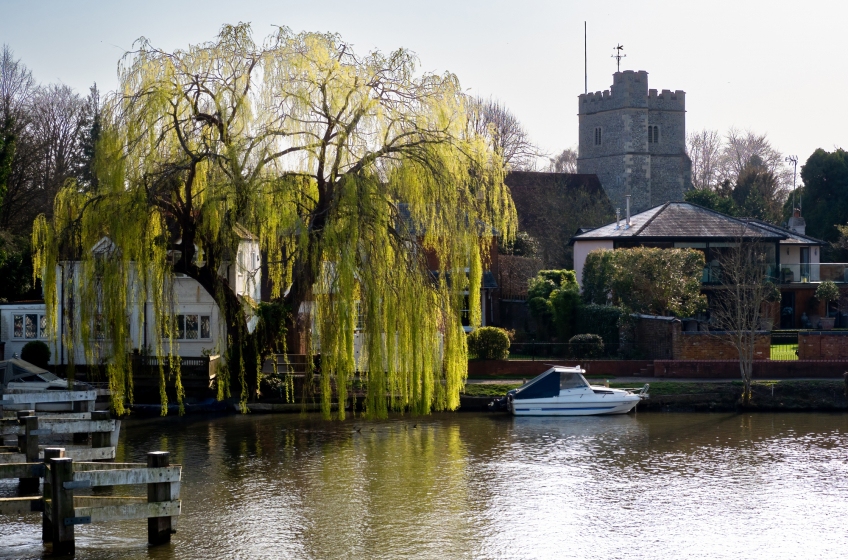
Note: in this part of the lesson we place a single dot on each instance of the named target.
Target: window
(570, 380)
(653, 135)
(29, 326)
(597, 136)
(465, 312)
(359, 322)
(192, 327)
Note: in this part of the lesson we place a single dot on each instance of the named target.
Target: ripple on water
(485, 486)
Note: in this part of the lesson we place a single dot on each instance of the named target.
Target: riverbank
(691, 395)
(819, 395)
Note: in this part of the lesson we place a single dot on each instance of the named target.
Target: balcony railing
(791, 273)
(814, 272)
(712, 274)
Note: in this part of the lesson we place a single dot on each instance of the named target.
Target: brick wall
(823, 345)
(679, 369)
(716, 346)
(518, 369)
(656, 336)
(729, 369)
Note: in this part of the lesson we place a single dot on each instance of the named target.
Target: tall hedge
(554, 297)
(598, 319)
(646, 280)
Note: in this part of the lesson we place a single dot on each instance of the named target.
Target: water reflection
(466, 485)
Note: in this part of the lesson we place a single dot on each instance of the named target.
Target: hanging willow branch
(352, 172)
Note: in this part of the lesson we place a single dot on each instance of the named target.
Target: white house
(199, 328)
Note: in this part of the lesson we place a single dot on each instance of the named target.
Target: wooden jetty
(61, 510)
(95, 434)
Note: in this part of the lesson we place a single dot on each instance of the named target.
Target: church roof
(684, 220)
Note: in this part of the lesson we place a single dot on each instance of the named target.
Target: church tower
(634, 140)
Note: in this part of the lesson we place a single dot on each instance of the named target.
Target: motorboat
(22, 375)
(563, 391)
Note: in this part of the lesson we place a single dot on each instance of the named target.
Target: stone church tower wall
(634, 140)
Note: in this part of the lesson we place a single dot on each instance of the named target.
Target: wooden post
(101, 439)
(22, 438)
(46, 527)
(83, 406)
(158, 528)
(28, 445)
(62, 506)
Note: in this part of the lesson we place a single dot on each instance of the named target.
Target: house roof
(684, 220)
(793, 238)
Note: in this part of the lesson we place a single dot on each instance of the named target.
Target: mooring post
(62, 506)
(28, 445)
(158, 528)
(46, 527)
(83, 406)
(100, 439)
(21, 414)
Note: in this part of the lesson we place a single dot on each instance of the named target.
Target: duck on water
(563, 391)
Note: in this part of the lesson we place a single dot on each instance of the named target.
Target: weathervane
(618, 56)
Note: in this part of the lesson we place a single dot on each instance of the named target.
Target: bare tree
(47, 153)
(741, 148)
(737, 305)
(716, 159)
(16, 83)
(506, 134)
(704, 148)
(565, 162)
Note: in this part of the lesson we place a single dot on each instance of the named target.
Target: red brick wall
(823, 345)
(712, 346)
(657, 336)
(680, 369)
(478, 369)
(729, 369)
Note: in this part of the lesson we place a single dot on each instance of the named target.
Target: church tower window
(597, 136)
(653, 135)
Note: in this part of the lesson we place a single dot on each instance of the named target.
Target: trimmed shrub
(602, 320)
(586, 346)
(37, 353)
(827, 292)
(489, 343)
(553, 299)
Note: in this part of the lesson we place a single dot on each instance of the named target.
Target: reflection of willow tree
(348, 170)
(422, 472)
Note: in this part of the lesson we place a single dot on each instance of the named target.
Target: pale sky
(771, 66)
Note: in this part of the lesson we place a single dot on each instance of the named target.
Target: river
(647, 485)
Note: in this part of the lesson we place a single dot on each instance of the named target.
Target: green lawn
(784, 351)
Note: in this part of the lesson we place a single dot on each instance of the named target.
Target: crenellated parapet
(667, 100)
(630, 90)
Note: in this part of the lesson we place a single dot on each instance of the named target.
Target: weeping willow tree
(356, 174)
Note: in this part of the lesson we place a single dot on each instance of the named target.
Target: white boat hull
(558, 407)
(563, 391)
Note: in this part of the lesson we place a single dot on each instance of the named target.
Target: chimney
(627, 218)
(797, 223)
(617, 218)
